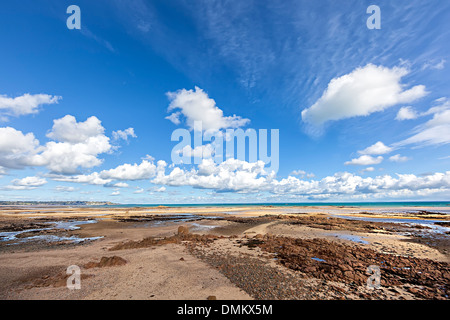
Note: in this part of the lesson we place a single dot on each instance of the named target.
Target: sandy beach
(224, 253)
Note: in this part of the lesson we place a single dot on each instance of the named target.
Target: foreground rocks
(331, 261)
(332, 223)
(318, 259)
(54, 280)
(106, 262)
(182, 235)
(260, 280)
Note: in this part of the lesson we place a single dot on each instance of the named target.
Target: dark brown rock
(106, 262)
(183, 230)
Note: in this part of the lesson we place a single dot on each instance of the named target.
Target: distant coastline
(302, 204)
(56, 203)
(281, 204)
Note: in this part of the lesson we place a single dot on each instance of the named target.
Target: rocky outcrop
(344, 263)
(106, 262)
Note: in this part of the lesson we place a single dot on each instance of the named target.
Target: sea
(411, 204)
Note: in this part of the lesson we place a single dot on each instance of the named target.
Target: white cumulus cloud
(93, 178)
(67, 129)
(363, 91)
(77, 144)
(27, 183)
(243, 177)
(74, 145)
(25, 104)
(376, 149)
(17, 148)
(365, 160)
(230, 175)
(174, 118)
(368, 169)
(406, 113)
(121, 185)
(139, 191)
(398, 158)
(302, 174)
(196, 105)
(124, 134)
(144, 170)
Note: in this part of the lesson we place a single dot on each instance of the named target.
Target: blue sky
(363, 115)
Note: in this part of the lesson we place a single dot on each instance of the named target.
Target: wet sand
(229, 252)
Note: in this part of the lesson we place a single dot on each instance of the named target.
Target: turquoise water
(423, 222)
(303, 204)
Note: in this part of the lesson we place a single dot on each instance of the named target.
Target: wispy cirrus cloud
(436, 65)
(435, 131)
(288, 50)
